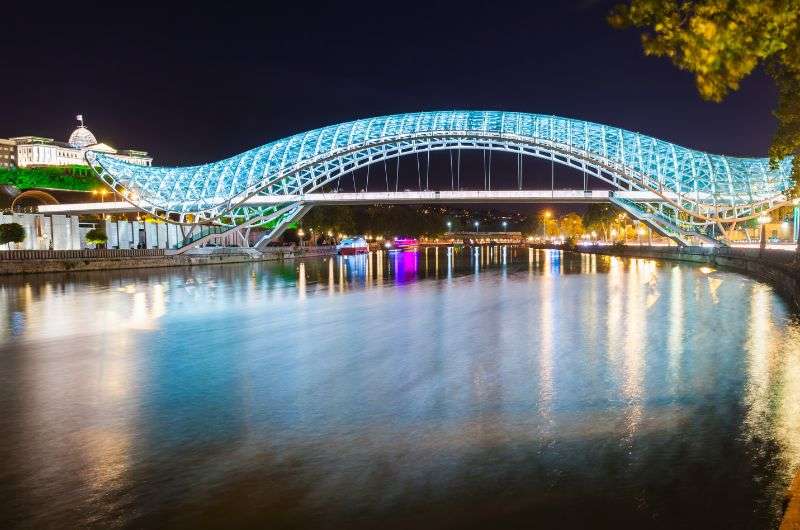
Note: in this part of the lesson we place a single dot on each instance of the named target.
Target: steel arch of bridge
(703, 188)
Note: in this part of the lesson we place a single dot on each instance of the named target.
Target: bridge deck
(400, 197)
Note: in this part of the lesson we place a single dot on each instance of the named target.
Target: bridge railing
(205, 230)
(22, 255)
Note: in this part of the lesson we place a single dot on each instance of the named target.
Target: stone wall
(221, 256)
(43, 232)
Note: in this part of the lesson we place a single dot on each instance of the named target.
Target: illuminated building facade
(8, 154)
(38, 151)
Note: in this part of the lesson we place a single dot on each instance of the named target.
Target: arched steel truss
(700, 188)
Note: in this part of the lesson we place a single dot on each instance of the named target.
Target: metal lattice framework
(701, 188)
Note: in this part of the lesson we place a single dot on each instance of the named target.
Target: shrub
(11, 233)
(77, 178)
(290, 236)
(96, 236)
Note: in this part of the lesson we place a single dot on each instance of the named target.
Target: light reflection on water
(442, 388)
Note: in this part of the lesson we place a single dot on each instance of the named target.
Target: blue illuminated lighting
(707, 187)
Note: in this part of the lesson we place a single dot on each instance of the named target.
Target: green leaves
(75, 178)
(96, 236)
(11, 233)
(721, 42)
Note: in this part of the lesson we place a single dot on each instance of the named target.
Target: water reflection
(439, 388)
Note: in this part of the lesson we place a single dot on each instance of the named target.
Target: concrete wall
(129, 234)
(63, 232)
(43, 232)
(206, 256)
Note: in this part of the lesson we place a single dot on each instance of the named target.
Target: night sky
(193, 84)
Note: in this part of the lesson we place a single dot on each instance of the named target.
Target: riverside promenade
(44, 261)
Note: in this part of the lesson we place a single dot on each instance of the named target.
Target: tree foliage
(571, 225)
(600, 218)
(377, 219)
(97, 236)
(723, 41)
(76, 178)
(11, 233)
(431, 221)
(335, 219)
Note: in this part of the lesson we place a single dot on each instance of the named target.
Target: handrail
(22, 255)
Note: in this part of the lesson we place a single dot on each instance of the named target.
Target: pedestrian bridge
(689, 193)
(392, 197)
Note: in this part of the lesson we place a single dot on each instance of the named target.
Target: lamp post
(476, 223)
(449, 226)
(795, 219)
(763, 220)
(546, 216)
(505, 224)
(624, 227)
(639, 232)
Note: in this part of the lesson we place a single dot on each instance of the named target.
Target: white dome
(82, 137)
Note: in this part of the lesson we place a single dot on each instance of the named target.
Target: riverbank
(77, 261)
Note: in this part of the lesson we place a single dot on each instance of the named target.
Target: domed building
(37, 151)
(81, 138)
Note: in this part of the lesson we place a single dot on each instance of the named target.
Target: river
(491, 388)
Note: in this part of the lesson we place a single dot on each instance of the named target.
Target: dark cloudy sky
(194, 84)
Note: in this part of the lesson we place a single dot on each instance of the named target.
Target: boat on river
(352, 245)
(402, 243)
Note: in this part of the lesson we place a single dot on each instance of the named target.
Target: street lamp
(505, 224)
(763, 220)
(546, 216)
(101, 193)
(476, 223)
(449, 226)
